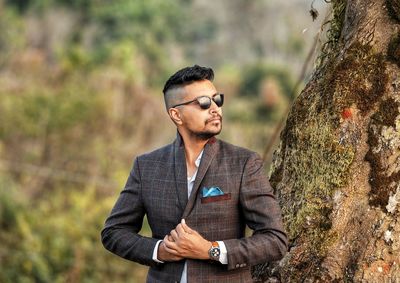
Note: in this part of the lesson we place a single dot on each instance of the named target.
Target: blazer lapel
(180, 172)
(208, 155)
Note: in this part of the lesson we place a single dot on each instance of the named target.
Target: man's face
(198, 122)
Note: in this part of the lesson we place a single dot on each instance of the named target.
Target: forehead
(199, 88)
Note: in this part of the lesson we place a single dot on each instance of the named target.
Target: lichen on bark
(384, 155)
(318, 147)
(337, 169)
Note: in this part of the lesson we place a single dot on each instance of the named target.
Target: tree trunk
(337, 169)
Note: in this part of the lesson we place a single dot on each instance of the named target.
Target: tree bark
(337, 169)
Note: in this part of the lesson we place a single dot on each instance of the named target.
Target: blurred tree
(336, 171)
(58, 240)
(12, 38)
(20, 5)
(254, 75)
(155, 26)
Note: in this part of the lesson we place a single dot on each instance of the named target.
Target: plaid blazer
(157, 187)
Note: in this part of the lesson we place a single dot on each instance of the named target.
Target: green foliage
(57, 241)
(264, 92)
(20, 5)
(13, 38)
(295, 45)
(76, 108)
(68, 116)
(255, 74)
(40, 111)
(152, 25)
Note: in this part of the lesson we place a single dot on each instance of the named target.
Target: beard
(207, 134)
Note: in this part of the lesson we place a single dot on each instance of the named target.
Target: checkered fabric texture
(157, 187)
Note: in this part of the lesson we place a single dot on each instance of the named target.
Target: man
(198, 193)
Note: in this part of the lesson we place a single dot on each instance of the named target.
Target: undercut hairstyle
(184, 77)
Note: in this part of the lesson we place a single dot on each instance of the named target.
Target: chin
(207, 135)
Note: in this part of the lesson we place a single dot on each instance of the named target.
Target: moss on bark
(318, 147)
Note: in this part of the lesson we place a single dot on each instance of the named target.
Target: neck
(193, 147)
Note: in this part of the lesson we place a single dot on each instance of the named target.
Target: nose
(214, 108)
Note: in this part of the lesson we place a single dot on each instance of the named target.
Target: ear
(175, 116)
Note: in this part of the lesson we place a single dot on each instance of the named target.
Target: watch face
(215, 253)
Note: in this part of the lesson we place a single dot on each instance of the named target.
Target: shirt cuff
(155, 252)
(223, 257)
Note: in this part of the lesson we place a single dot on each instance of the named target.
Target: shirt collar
(197, 162)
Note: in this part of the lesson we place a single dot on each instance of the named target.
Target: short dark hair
(188, 75)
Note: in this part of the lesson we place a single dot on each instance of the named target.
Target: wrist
(206, 249)
(156, 252)
(161, 252)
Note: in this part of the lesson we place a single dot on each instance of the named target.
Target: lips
(214, 119)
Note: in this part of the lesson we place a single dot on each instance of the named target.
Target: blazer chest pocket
(209, 199)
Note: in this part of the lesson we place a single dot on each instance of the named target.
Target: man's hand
(187, 243)
(163, 254)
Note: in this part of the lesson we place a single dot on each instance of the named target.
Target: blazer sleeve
(120, 233)
(263, 215)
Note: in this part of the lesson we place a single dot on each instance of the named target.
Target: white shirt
(223, 258)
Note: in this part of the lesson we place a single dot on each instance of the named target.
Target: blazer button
(238, 265)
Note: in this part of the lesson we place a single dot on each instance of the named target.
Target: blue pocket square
(211, 192)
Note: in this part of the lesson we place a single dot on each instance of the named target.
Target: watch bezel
(214, 251)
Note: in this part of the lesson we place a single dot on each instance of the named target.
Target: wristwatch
(214, 251)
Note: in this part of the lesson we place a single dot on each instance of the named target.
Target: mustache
(214, 117)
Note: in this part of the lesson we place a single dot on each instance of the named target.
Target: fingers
(180, 239)
(171, 251)
(169, 246)
(175, 235)
(180, 230)
(167, 241)
(185, 227)
(167, 252)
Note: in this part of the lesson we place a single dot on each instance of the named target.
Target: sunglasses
(205, 101)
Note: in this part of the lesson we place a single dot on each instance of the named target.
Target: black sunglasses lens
(219, 99)
(204, 102)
